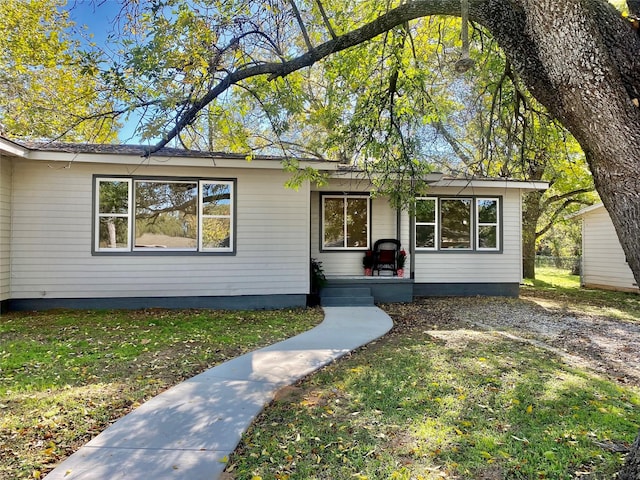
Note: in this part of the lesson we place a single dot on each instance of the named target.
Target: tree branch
(563, 196)
(385, 22)
(557, 214)
(325, 19)
(303, 29)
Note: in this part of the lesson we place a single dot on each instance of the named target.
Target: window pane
(114, 197)
(425, 236)
(487, 211)
(334, 222)
(166, 215)
(455, 229)
(216, 232)
(426, 211)
(357, 222)
(113, 232)
(216, 199)
(488, 237)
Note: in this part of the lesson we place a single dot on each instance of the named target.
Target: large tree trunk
(631, 469)
(531, 212)
(582, 61)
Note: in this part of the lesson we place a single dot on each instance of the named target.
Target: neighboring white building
(604, 264)
(98, 226)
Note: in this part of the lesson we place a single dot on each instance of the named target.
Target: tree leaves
(48, 91)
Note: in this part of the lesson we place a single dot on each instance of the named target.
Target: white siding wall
(52, 227)
(5, 227)
(603, 261)
(478, 267)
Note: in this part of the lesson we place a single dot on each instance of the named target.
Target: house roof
(137, 154)
(140, 150)
(586, 210)
(491, 182)
(12, 148)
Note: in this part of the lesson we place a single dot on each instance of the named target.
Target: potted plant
(402, 257)
(318, 281)
(367, 262)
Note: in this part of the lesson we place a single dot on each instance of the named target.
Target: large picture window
(455, 223)
(345, 222)
(144, 215)
(459, 223)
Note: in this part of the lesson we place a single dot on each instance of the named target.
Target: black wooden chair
(385, 255)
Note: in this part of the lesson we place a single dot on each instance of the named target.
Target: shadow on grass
(454, 402)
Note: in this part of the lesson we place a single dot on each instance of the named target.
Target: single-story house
(103, 226)
(604, 264)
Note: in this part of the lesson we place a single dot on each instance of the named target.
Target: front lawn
(66, 375)
(438, 398)
(562, 290)
(442, 401)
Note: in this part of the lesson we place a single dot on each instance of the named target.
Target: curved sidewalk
(188, 431)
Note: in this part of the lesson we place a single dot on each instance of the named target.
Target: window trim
(131, 250)
(344, 196)
(475, 248)
(230, 216)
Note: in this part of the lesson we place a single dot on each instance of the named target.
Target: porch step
(346, 297)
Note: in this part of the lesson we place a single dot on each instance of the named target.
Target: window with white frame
(113, 218)
(488, 233)
(427, 223)
(345, 222)
(163, 215)
(457, 223)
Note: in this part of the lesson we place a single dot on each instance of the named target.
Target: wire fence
(564, 263)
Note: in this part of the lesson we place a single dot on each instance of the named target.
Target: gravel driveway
(595, 339)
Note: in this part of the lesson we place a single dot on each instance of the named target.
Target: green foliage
(318, 279)
(45, 92)
(393, 106)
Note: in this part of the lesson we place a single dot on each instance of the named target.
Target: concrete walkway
(189, 431)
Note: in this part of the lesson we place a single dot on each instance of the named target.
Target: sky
(98, 17)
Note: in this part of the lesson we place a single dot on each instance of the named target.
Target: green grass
(435, 399)
(65, 375)
(427, 407)
(550, 277)
(562, 289)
